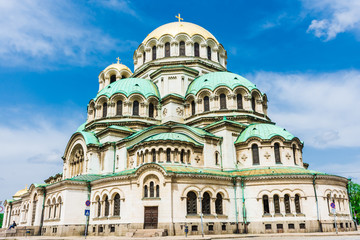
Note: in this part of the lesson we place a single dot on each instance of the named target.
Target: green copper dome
(171, 137)
(213, 80)
(263, 131)
(129, 86)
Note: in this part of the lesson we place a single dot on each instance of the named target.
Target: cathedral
(180, 144)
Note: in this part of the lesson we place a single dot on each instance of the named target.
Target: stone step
(149, 233)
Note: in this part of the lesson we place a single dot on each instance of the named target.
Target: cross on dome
(118, 60)
(178, 17)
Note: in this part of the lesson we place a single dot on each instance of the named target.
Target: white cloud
(117, 5)
(339, 16)
(321, 109)
(39, 32)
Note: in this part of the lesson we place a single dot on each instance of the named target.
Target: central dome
(175, 28)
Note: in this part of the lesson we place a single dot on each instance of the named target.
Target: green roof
(215, 79)
(225, 120)
(197, 131)
(124, 128)
(263, 131)
(171, 136)
(130, 86)
(89, 137)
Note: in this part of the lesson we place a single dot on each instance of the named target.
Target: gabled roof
(171, 136)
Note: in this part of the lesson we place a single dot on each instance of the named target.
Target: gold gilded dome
(20, 192)
(175, 28)
(117, 66)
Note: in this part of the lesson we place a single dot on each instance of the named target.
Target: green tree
(1, 219)
(354, 194)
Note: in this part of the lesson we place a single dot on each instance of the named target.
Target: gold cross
(118, 60)
(178, 17)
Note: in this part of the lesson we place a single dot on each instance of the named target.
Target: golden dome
(175, 28)
(117, 66)
(20, 192)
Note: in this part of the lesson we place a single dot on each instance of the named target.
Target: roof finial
(178, 17)
(118, 60)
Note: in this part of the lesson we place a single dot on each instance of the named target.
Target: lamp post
(201, 215)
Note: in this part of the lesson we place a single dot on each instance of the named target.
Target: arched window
(104, 109)
(196, 50)
(287, 203)
(276, 204)
(239, 101)
(107, 206)
(99, 208)
(191, 204)
(144, 56)
(193, 108)
(59, 202)
(55, 208)
(168, 152)
(208, 52)
(153, 153)
(151, 110)
(151, 189)
(205, 202)
(222, 101)
(294, 153)
(119, 108)
(182, 153)
(153, 52)
(49, 209)
(253, 103)
(157, 191)
(145, 191)
(206, 104)
(182, 48)
(136, 108)
(167, 49)
(297, 203)
(216, 158)
(112, 78)
(117, 205)
(255, 154)
(328, 202)
(277, 153)
(266, 204)
(218, 204)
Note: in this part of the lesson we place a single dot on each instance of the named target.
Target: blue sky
(303, 54)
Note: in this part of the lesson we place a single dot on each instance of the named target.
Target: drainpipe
(42, 211)
(243, 205)
(172, 207)
(221, 158)
(350, 207)
(87, 217)
(114, 145)
(317, 204)
(236, 211)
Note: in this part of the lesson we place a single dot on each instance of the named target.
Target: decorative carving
(267, 155)
(288, 156)
(197, 159)
(131, 161)
(247, 97)
(180, 111)
(164, 112)
(244, 157)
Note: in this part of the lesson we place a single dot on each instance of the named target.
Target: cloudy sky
(304, 54)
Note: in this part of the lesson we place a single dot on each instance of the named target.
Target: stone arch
(115, 191)
(189, 189)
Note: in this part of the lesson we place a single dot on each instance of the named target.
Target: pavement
(354, 235)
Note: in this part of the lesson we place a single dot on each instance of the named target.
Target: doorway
(150, 217)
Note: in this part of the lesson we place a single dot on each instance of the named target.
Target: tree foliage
(1, 219)
(354, 194)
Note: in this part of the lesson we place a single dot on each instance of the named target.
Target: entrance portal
(150, 217)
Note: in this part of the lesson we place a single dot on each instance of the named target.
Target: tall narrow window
(182, 153)
(218, 204)
(135, 108)
(287, 203)
(99, 207)
(196, 50)
(191, 203)
(277, 153)
(151, 189)
(209, 52)
(119, 108)
(216, 158)
(255, 154)
(297, 203)
(34, 209)
(193, 108)
(104, 109)
(294, 153)
(151, 110)
(153, 52)
(117, 205)
(253, 103)
(107, 206)
(276, 204)
(266, 204)
(145, 191)
(206, 104)
(153, 153)
(222, 101)
(167, 49)
(112, 78)
(182, 48)
(157, 191)
(144, 56)
(239, 101)
(168, 153)
(206, 203)
(55, 208)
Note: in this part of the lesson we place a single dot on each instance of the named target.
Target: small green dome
(263, 131)
(129, 86)
(215, 79)
(171, 137)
